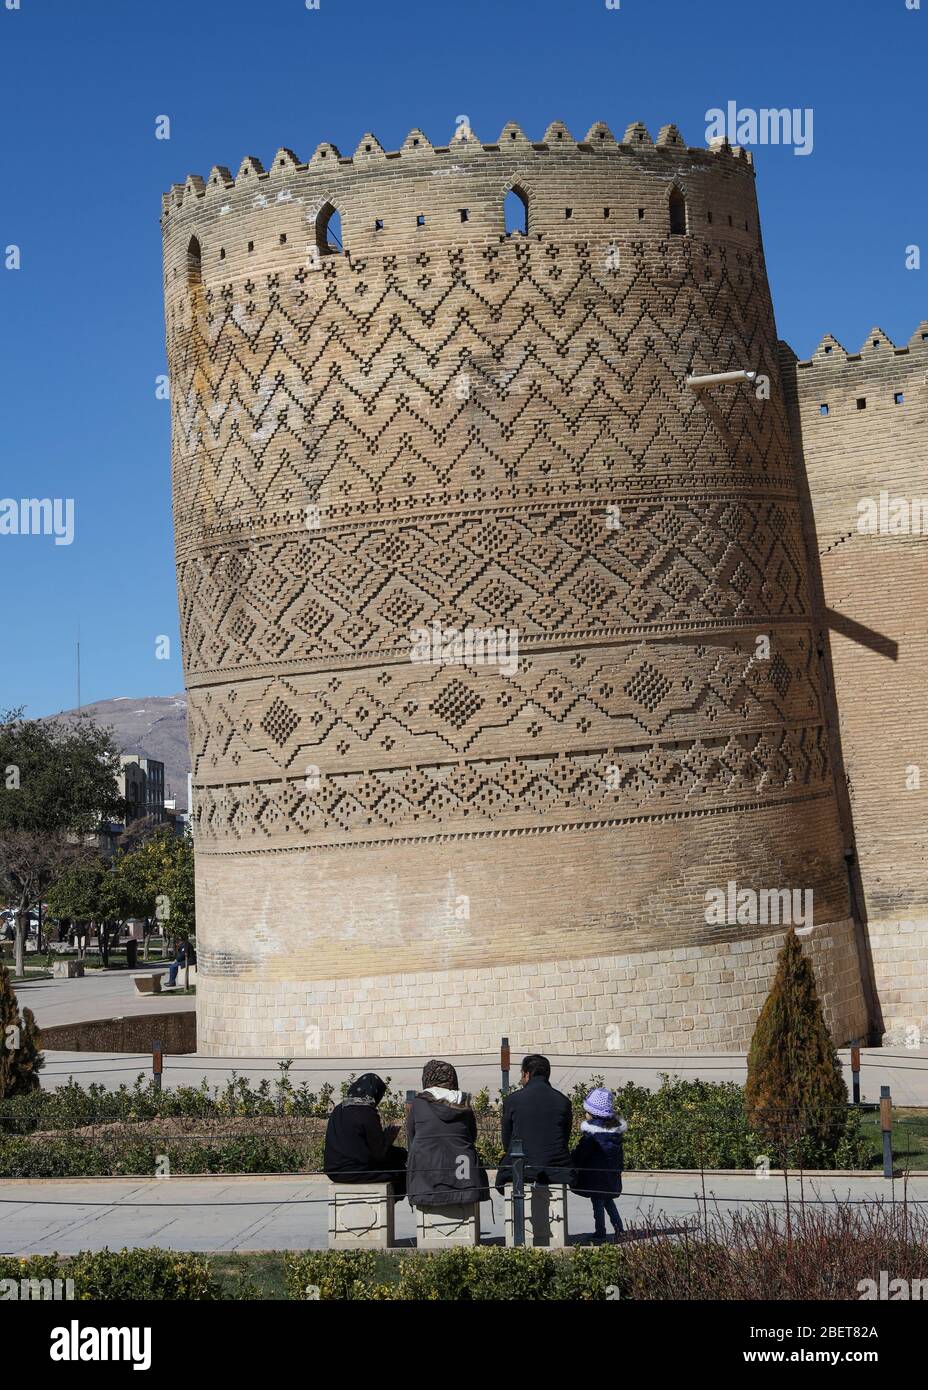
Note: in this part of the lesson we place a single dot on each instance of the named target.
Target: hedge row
(118, 1275)
(681, 1124)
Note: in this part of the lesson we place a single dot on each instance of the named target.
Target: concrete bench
(180, 978)
(361, 1216)
(68, 970)
(439, 1228)
(545, 1216)
(147, 984)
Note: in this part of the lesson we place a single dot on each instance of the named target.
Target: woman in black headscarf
(357, 1147)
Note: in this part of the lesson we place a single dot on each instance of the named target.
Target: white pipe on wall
(696, 383)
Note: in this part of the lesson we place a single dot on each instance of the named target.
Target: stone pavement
(290, 1213)
(100, 994)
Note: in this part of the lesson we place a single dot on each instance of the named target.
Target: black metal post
(504, 1065)
(855, 1072)
(517, 1154)
(157, 1064)
(886, 1125)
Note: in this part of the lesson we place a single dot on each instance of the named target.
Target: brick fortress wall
(445, 423)
(861, 425)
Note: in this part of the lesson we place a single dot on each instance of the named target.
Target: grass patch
(255, 1276)
(910, 1137)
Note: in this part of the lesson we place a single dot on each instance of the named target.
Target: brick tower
(388, 413)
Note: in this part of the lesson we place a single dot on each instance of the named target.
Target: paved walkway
(100, 994)
(904, 1071)
(111, 994)
(286, 1213)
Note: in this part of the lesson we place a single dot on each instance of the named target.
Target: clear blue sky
(81, 327)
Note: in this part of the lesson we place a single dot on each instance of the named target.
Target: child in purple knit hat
(598, 1160)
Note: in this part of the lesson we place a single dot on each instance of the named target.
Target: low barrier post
(517, 1154)
(886, 1125)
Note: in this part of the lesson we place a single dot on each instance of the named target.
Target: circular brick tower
(393, 416)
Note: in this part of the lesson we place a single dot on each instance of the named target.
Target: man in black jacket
(541, 1117)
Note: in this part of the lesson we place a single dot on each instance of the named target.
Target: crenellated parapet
(422, 196)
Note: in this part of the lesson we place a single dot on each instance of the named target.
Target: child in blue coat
(598, 1160)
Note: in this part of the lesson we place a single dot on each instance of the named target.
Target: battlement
(831, 353)
(369, 152)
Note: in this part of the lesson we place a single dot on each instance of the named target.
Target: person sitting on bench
(185, 956)
(357, 1147)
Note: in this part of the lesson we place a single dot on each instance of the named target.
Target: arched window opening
(515, 211)
(677, 213)
(329, 231)
(194, 263)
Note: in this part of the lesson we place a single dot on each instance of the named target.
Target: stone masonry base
(900, 967)
(688, 998)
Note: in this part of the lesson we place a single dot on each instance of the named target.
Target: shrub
(795, 1096)
(332, 1274)
(20, 1057)
(109, 1275)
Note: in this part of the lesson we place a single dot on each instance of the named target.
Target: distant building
(142, 785)
(174, 817)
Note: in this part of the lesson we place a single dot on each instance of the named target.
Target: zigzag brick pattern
(442, 423)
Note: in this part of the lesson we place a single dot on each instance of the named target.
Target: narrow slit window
(515, 211)
(898, 398)
(194, 262)
(677, 213)
(329, 230)
(823, 410)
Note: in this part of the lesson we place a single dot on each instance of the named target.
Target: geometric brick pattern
(450, 424)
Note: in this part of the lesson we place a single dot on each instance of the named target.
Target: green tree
(795, 1095)
(85, 894)
(58, 783)
(20, 1057)
(156, 881)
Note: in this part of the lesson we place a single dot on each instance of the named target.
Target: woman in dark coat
(442, 1131)
(357, 1147)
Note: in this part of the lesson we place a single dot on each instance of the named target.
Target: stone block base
(682, 999)
(147, 984)
(437, 1228)
(545, 1216)
(900, 968)
(361, 1216)
(68, 970)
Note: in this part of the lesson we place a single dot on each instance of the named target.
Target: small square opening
(861, 402)
(823, 409)
(420, 219)
(898, 398)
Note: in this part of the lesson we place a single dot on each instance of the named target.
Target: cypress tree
(21, 1059)
(795, 1095)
